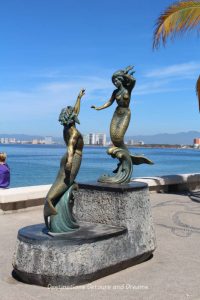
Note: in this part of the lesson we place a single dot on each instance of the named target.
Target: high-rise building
(100, 139)
(86, 139)
(92, 139)
(97, 139)
(48, 140)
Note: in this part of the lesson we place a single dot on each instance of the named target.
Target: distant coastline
(175, 140)
(150, 146)
(163, 146)
(144, 146)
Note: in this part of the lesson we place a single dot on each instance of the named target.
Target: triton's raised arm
(78, 102)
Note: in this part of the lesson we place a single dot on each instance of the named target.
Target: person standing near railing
(4, 171)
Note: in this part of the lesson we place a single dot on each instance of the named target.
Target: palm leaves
(177, 18)
(180, 17)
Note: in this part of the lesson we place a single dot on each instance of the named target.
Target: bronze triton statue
(124, 82)
(59, 198)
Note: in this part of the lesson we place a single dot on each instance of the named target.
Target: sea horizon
(38, 164)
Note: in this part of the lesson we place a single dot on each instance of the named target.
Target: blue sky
(50, 49)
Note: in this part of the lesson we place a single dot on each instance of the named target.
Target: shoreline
(145, 146)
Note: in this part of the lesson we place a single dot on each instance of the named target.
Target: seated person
(4, 171)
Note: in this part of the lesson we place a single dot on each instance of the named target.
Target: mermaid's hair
(126, 79)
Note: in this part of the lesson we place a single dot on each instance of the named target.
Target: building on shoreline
(8, 140)
(48, 140)
(196, 143)
(95, 139)
(134, 143)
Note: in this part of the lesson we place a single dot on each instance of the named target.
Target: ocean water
(39, 164)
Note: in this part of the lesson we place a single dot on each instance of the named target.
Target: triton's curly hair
(68, 116)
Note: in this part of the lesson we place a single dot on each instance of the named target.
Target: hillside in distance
(181, 138)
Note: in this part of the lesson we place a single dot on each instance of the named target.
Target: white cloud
(157, 86)
(42, 104)
(51, 97)
(36, 110)
(90, 83)
(190, 69)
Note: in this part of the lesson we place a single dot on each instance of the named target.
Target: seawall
(23, 198)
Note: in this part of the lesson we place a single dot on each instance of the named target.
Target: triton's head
(68, 117)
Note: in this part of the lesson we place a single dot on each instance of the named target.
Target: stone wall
(14, 199)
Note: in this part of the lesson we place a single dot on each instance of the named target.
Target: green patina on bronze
(58, 203)
(124, 82)
(64, 220)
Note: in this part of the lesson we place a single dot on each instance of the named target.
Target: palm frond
(198, 90)
(177, 18)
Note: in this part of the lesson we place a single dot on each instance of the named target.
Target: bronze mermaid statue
(58, 202)
(124, 82)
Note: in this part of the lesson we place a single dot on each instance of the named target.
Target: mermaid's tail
(119, 125)
(125, 166)
(140, 159)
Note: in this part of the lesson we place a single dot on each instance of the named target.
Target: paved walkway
(172, 273)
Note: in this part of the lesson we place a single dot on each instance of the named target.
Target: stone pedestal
(116, 231)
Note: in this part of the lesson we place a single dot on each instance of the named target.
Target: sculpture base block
(116, 232)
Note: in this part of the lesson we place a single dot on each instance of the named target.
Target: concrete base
(116, 231)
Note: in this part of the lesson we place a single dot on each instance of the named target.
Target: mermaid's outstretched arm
(107, 104)
(78, 102)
